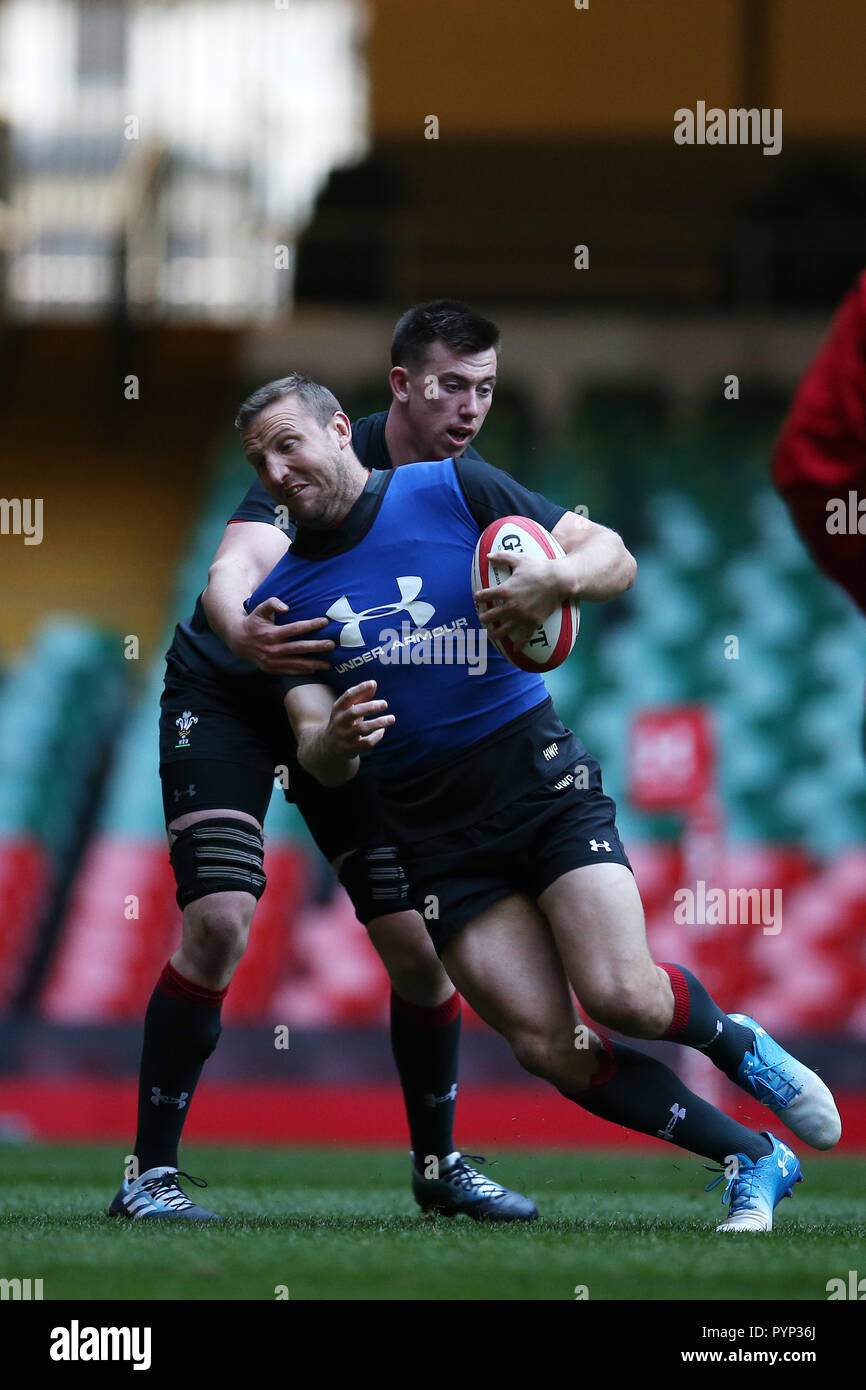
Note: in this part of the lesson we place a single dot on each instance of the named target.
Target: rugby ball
(553, 641)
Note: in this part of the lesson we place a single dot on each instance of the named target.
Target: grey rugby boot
(458, 1188)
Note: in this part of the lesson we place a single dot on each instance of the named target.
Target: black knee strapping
(221, 855)
(376, 883)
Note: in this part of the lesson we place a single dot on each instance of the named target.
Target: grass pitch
(342, 1224)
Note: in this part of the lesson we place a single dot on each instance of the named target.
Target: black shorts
(219, 746)
(521, 849)
(223, 746)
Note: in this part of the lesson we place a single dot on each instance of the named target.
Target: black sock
(636, 1090)
(699, 1022)
(181, 1030)
(426, 1045)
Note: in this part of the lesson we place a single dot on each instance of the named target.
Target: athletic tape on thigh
(376, 883)
(220, 855)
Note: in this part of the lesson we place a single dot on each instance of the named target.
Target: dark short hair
(321, 403)
(440, 320)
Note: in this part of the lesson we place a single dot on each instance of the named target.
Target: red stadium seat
(657, 870)
(735, 960)
(767, 866)
(271, 950)
(108, 962)
(815, 970)
(846, 876)
(338, 977)
(25, 886)
(122, 925)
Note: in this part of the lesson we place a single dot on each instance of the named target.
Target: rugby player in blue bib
(508, 841)
(223, 732)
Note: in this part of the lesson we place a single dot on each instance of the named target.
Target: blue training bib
(401, 613)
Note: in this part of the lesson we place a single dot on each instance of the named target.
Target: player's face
(447, 399)
(300, 462)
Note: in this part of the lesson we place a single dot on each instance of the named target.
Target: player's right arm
(332, 732)
(248, 552)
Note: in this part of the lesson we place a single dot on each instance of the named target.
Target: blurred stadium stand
(277, 208)
(58, 710)
(712, 564)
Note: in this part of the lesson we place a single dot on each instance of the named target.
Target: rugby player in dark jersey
(223, 731)
(497, 809)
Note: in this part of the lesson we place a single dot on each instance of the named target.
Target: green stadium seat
(753, 419)
(367, 398)
(681, 533)
(825, 822)
(632, 412)
(667, 610)
(771, 521)
(749, 764)
(507, 436)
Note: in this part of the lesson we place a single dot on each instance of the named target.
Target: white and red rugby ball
(553, 641)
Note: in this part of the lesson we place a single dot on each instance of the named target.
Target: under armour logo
(782, 1159)
(719, 1027)
(189, 791)
(678, 1112)
(596, 845)
(409, 586)
(450, 1094)
(157, 1098)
